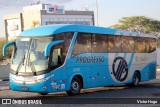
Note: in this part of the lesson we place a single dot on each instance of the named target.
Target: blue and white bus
(69, 58)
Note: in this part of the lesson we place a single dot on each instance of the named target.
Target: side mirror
(6, 46)
(49, 46)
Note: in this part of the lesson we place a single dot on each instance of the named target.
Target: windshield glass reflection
(28, 55)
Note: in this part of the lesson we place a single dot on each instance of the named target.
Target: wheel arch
(78, 76)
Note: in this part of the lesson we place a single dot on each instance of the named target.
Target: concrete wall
(70, 17)
(31, 18)
(13, 25)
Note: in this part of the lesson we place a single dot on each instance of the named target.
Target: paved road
(4, 71)
(149, 90)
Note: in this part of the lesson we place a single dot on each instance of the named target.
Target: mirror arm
(50, 45)
(6, 46)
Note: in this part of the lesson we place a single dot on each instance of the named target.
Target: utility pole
(97, 12)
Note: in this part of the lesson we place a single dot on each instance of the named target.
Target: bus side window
(67, 37)
(99, 43)
(111, 43)
(54, 61)
(147, 43)
(82, 44)
(118, 43)
(136, 44)
(152, 44)
(56, 56)
(140, 45)
(128, 44)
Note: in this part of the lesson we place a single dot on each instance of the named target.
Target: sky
(110, 11)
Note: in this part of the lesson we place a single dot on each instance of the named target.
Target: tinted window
(152, 44)
(67, 37)
(110, 43)
(147, 43)
(128, 44)
(56, 58)
(118, 43)
(140, 45)
(82, 44)
(99, 43)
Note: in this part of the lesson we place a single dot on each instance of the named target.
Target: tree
(9, 50)
(140, 24)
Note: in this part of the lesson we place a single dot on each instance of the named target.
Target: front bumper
(41, 87)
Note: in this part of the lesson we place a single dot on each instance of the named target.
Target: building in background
(13, 25)
(44, 14)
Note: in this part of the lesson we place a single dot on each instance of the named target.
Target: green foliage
(158, 44)
(9, 50)
(140, 24)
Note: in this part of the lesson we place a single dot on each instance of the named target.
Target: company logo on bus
(120, 69)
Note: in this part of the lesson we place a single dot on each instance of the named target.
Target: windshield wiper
(32, 68)
(31, 65)
(20, 64)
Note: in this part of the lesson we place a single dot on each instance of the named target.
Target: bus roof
(49, 30)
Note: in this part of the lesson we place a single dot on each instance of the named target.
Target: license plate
(24, 88)
(29, 78)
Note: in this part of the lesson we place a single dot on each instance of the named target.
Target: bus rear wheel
(75, 86)
(135, 81)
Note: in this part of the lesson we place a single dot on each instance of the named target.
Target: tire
(75, 86)
(135, 81)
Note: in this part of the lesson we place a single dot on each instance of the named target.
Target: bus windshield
(28, 55)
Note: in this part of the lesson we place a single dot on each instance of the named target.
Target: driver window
(56, 57)
(54, 61)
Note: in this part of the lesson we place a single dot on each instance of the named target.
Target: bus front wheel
(75, 86)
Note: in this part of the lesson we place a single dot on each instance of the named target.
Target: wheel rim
(136, 80)
(75, 86)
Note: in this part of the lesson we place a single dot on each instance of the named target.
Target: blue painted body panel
(55, 29)
(149, 71)
(94, 75)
